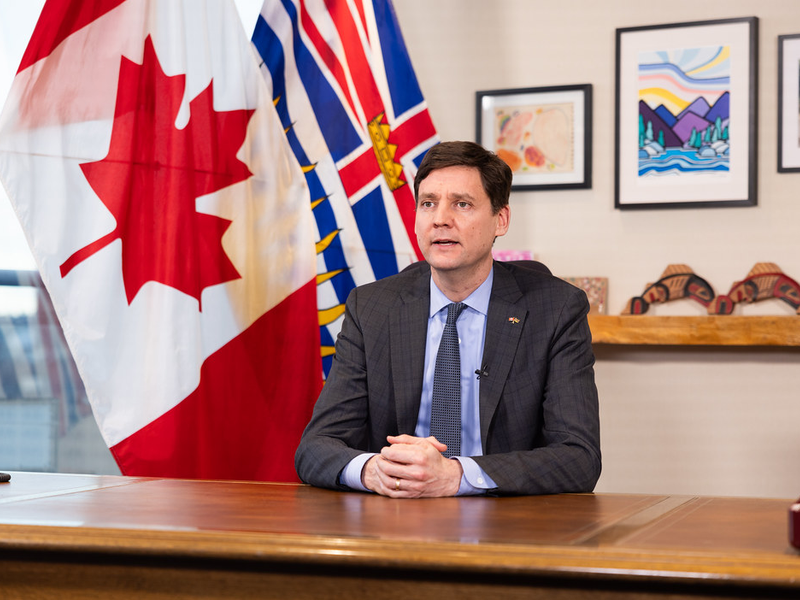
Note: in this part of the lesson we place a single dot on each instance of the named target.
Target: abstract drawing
(536, 138)
(544, 134)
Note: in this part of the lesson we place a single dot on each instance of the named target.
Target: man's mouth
(445, 243)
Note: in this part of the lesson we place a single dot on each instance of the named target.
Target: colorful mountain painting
(684, 111)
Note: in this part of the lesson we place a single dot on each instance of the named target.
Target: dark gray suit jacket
(538, 406)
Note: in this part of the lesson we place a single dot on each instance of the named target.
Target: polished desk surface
(669, 539)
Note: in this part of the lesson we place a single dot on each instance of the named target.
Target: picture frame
(543, 133)
(789, 103)
(686, 115)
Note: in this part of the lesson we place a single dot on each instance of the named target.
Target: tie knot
(453, 311)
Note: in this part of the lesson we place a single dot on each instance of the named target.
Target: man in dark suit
(528, 403)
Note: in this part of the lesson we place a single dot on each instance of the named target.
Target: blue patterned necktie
(446, 405)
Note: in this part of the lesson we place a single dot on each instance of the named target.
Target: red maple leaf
(153, 173)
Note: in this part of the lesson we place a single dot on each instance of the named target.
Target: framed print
(686, 115)
(544, 134)
(789, 103)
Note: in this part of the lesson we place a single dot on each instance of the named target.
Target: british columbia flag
(355, 117)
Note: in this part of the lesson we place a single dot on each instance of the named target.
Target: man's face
(454, 223)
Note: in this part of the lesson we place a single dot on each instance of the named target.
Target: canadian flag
(172, 227)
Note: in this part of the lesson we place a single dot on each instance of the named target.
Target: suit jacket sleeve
(374, 386)
(543, 435)
(338, 429)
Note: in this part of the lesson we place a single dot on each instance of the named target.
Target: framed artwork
(789, 103)
(544, 134)
(686, 115)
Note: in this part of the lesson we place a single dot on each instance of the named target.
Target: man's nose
(443, 216)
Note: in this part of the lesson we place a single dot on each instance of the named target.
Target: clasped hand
(412, 467)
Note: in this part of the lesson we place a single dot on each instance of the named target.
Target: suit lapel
(408, 329)
(504, 325)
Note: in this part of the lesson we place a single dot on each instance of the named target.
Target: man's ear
(503, 221)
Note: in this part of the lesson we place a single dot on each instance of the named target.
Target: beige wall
(676, 420)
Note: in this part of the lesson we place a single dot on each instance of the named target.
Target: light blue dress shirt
(471, 327)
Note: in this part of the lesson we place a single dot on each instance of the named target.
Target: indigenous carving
(677, 281)
(765, 280)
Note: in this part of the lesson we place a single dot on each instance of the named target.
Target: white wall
(674, 420)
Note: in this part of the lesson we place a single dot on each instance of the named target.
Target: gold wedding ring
(397, 485)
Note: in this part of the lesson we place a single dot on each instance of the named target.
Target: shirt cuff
(474, 481)
(351, 474)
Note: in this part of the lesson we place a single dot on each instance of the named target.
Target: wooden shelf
(696, 331)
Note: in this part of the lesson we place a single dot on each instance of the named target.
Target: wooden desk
(99, 537)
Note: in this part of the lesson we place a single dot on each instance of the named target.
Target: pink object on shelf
(504, 255)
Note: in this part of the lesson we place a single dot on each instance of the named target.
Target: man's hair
(495, 174)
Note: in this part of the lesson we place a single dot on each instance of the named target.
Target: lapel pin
(514, 320)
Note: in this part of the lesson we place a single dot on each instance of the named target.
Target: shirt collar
(477, 300)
